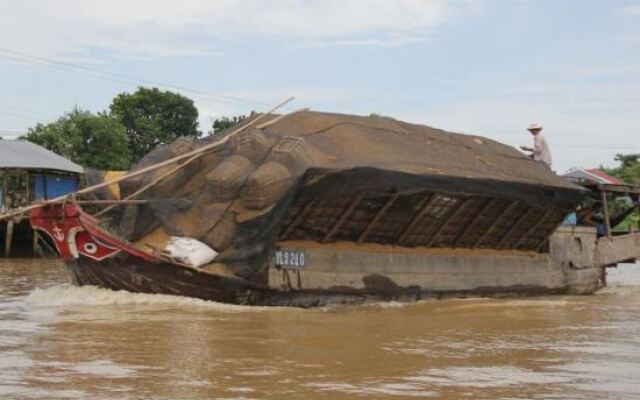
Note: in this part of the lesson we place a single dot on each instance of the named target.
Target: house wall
(18, 188)
(48, 186)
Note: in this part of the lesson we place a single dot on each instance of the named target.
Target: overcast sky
(481, 67)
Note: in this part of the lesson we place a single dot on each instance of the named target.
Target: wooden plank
(343, 217)
(381, 213)
(619, 249)
(298, 219)
(532, 228)
(5, 196)
(605, 209)
(28, 188)
(495, 223)
(465, 203)
(36, 250)
(8, 238)
(427, 202)
(474, 222)
(514, 227)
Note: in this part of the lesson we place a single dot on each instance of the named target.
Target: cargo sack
(189, 251)
(295, 153)
(266, 186)
(220, 235)
(225, 180)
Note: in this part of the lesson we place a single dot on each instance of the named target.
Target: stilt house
(28, 173)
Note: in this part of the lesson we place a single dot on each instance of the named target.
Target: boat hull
(307, 274)
(135, 275)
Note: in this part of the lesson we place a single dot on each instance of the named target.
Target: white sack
(190, 251)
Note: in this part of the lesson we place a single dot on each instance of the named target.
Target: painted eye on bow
(90, 248)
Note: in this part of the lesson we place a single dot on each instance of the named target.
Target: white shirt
(541, 151)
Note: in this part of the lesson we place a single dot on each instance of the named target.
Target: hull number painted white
(290, 258)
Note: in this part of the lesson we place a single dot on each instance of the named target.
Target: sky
(488, 67)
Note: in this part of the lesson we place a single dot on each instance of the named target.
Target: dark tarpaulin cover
(234, 197)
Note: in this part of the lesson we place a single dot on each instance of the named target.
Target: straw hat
(534, 127)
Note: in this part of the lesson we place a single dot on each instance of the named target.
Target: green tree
(220, 124)
(153, 118)
(629, 169)
(95, 141)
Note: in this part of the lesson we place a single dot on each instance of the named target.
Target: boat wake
(60, 296)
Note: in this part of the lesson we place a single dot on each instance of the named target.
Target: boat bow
(75, 232)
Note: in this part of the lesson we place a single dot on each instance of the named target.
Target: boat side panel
(574, 246)
(329, 268)
(618, 249)
(570, 269)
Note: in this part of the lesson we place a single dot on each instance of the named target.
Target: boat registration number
(290, 258)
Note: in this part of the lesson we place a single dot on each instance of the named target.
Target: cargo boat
(311, 209)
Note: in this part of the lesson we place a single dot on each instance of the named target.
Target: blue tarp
(50, 186)
(571, 220)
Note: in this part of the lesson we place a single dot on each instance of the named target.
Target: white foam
(106, 368)
(400, 389)
(72, 296)
(487, 377)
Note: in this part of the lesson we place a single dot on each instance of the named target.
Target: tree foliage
(153, 118)
(220, 124)
(629, 169)
(92, 140)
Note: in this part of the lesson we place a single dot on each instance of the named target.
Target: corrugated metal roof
(593, 175)
(24, 154)
(606, 178)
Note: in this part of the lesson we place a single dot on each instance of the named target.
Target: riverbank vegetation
(134, 124)
(629, 171)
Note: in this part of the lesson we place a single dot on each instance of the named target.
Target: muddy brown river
(63, 342)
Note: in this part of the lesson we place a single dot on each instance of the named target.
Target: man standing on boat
(540, 150)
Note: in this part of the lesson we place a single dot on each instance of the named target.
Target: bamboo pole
(605, 209)
(465, 203)
(100, 202)
(277, 119)
(298, 219)
(495, 223)
(8, 238)
(426, 203)
(514, 226)
(474, 221)
(150, 184)
(146, 169)
(533, 228)
(343, 218)
(381, 213)
(108, 202)
(34, 244)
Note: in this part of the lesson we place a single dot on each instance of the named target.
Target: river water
(62, 342)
